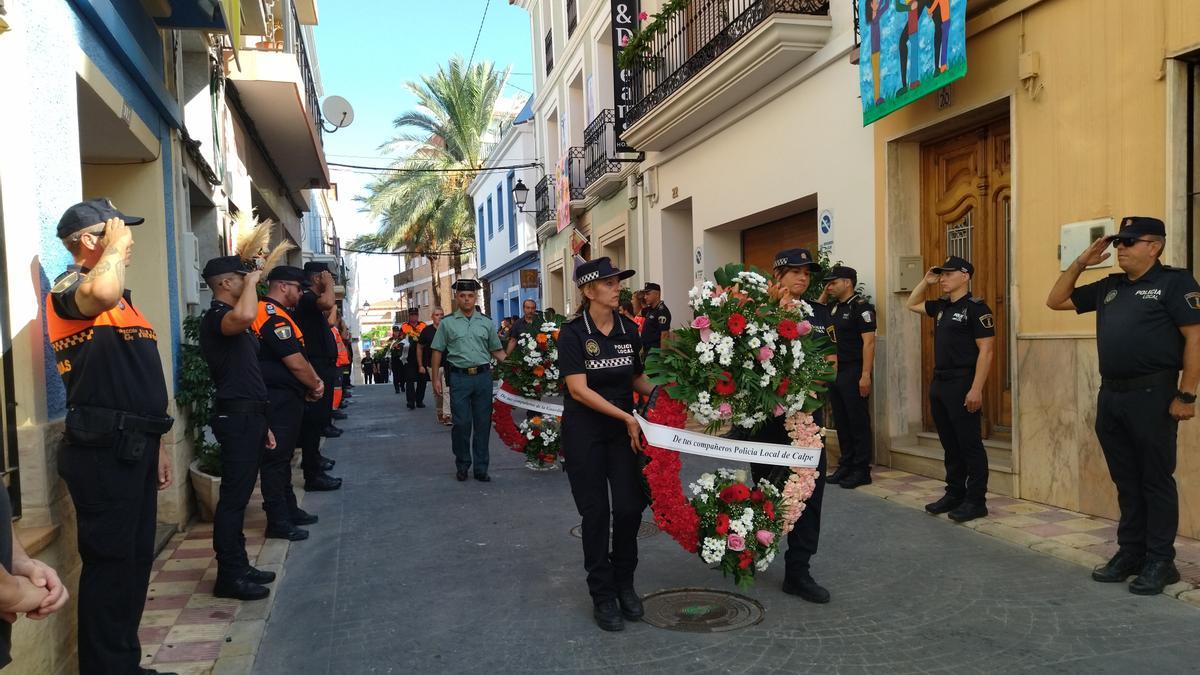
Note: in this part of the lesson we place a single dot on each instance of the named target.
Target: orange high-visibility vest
(343, 357)
(269, 308)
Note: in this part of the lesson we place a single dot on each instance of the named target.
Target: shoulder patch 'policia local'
(1193, 300)
(987, 321)
(283, 332)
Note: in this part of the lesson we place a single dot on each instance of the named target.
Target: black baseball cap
(955, 264)
(842, 272)
(92, 212)
(651, 286)
(795, 257)
(224, 265)
(466, 285)
(315, 267)
(288, 273)
(413, 311)
(600, 268)
(1133, 227)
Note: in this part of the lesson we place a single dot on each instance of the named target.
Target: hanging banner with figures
(624, 22)
(909, 48)
(563, 187)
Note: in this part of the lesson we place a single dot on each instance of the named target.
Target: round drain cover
(701, 610)
(644, 530)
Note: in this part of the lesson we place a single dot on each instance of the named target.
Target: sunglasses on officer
(1127, 242)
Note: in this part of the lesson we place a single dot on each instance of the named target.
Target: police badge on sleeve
(283, 332)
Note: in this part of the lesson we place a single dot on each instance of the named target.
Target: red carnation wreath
(672, 512)
(506, 428)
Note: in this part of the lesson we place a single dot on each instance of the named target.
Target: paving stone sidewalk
(411, 571)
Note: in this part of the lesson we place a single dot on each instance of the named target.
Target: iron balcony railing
(697, 36)
(543, 199)
(600, 147)
(575, 172)
(572, 17)
(306, 74)
(549, 51)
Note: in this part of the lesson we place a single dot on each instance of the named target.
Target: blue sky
(368, 49)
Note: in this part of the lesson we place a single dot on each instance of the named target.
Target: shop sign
(624, 22)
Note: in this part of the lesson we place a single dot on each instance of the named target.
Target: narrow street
(411, 571)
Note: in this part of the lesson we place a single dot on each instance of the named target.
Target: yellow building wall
(1090, 139)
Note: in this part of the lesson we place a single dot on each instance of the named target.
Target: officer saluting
(598, 356)
(1147, 330)
(239, 418)
(853, 320)
(290, 380)
(467, 342)
(658, 317)
(963, 337)
(794, 269)
(316, 315)
(112, 457)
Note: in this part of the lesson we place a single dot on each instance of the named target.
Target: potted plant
(195, 395)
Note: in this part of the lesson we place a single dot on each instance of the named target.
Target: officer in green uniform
(466, 341)
(1147, 331)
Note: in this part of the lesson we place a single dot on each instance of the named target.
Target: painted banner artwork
(563, 185)
(909, 48)
(661, 436)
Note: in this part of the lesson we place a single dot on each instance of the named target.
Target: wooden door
(965, 209)
(760, 244)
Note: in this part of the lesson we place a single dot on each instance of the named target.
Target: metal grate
(575, 171)
(543, 200)
(549, 51)
(644, 530)
(958, 238)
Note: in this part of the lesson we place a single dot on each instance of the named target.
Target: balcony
(572, 17)
(400, 279)
(549, 52)
(712, 57)
(577, 177)
(603, 164)
(276, 89)
(543, 201)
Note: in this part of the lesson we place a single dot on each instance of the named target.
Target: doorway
(761, 243)
(966, 211)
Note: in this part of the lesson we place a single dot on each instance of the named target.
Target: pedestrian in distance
(963, 343)
(291, 382)
(316, 315)
(466, 342)
(853, 324)
(425, 359)
(239, 418)
(530, 322)
(1147, 331)
(107, 354)
(414, 379)
(397, 351)
(368, 368)
(599, 357)
(657, 317)
(793, 271)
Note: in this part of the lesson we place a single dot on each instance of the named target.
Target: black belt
(951, 373)
(239, 406)
(1162, 377)
(473, 370)
(105, 420)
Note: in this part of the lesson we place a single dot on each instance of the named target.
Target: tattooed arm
(104, 285)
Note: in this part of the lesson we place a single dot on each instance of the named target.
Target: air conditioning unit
(191, 282)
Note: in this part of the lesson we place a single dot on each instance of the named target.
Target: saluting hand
(931, 277)
(1181, 411)
(252, 278)
(1094, 254)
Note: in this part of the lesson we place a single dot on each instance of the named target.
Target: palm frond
(277, 255)
(253, 235)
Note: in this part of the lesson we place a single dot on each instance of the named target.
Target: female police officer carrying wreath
(598, 356)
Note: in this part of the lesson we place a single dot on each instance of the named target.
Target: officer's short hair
(216, 279)
(73, 241)
(1160, 239)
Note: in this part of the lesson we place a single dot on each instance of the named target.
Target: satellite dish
(338, 112)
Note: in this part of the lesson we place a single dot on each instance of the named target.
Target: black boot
(631, 604)
(856, 478)
(1155, 576)
(836, 477)
(289, 532)
(240, 589)
(322, 483)
(807, 588)
(302, 517)
(260, 576)
(608, 616)
(946, 504)
(1119, 568)
(968, 510)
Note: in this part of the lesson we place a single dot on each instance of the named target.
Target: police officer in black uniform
(599, 357)
(963, 341)
(112, 457)
(1147, 331)
(290, 381)
(853, 320)
(317, 315)
(658, 317)
(239, 418)
(794, 269)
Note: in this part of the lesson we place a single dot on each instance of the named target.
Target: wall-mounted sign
(624, 22)
(529, 278)
(910, 48)
(825, 232)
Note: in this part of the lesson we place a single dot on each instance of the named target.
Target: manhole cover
(644, 530)
(700, 610)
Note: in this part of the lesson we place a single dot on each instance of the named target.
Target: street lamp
(520, 195)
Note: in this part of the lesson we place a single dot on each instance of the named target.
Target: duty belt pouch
(88, 428)
(131, 446)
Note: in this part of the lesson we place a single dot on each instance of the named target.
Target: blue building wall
(507, 278)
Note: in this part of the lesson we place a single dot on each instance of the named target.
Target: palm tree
(425, 207)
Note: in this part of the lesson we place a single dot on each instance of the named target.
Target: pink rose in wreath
(736, 542)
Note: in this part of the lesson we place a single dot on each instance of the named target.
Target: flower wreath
(531, 371)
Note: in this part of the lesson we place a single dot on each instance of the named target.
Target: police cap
(956, 264)
(288, 273)
(466, 285)
(795, 257)
(315, 267)
(842, 272)
(651, 286)
(92, 212)
(413, 311)
(600, 268)
(225, 264)
(1133, 227)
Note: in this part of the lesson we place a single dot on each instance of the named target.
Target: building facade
(505, 234)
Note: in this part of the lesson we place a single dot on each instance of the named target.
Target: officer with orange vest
(290, 381)
(112, 457)
(343, 361)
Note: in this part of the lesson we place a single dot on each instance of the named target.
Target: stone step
(999, 452)
(925, 458)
